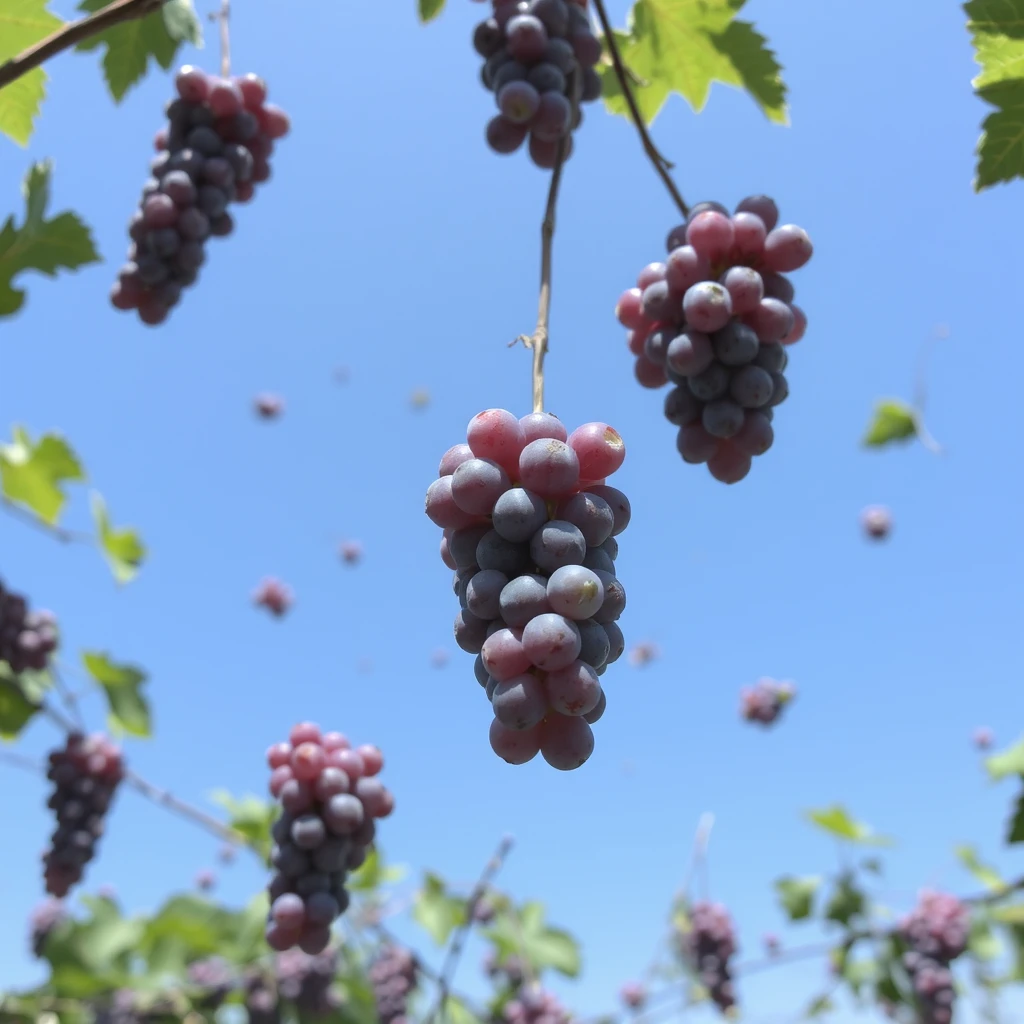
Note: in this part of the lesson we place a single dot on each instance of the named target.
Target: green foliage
(1015, 828)
(127, 707)
(988, 877)
(893, 421)
(31, 473)
(122, 547)
(131, 45)
(436, 910)
(16, 708)
(998, 43)
(22, 24)
(846, 901)
(429, 9)
(820, 1006)
(39, 244)
(837, 821)
(522, 932)
(1006, 762)
(374, 873)
(251, 817)
(683, 46)
(796, 895)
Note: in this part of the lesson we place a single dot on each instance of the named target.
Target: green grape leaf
(92, 955)
(457, 1012)
(131, 45)
(31, 473)
(846, 901)
(893, 421)
(196, 925)
(796, 895)
(127, 707)
(1011, 913)
(250, 817)
(374, 872)
(995, 29)
(436, 910)
(1006, 762)
(837, 821)
(982, 941)
(16, 709)
(22, 24)
(819, 1006)
(429, 9)
(524, 933)
(683, 46)
(122, 547)
(1015, 828)
(39, 244)
(988, 877)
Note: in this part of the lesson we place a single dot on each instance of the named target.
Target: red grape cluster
(329, 796)
(308, 981)
(715, 319)
(763, 702)
(936, 932)
(275, 596)
(27, 639)
(529, 530)
(85, 774)
(214, 151)
(213, 978)
(44, 918)
(708, 947)
(539, 63)
(393, 975)
(532, 1005)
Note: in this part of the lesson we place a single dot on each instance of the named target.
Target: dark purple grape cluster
(44, 918)
(763, 702)
(715, 319)
(534, 1005)
(540, 58)
(214, 151)
(213, 979)
(708, 947)
(260, 999)
(529, 530)
(27, 639)
(393, 975)
(936, 932)
(85, 774)
(308, 981)
(329, 797)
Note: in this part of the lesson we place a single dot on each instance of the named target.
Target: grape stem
(57, 532)
(660, 163)
(75, 32)
(921, 392)
(458, 941)
(223, 17)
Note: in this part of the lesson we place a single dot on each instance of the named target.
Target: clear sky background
(392, 242)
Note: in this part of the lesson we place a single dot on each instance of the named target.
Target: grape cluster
(329, 797)
(85, 774)
(763, 702)
(214, 980)
(876, 521)
(936, 932)
(260, 999)
(308, 981)
(715, 319)
(42, 921)
(393, 975)
(529, 530)
(214, 151)
(633, 995)
(539, 63)
(708, 947)
(532, 1005)
(275, 596)
(27, 639)
(510, 971)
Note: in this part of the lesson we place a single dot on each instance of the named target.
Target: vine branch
(458, 941)
(660, 163)
(75, 32)
(223, 17)
(59, 533)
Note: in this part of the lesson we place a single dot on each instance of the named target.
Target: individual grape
(707, 306)
(762, 207)
(551, 641)
(453, 458)
(537, 425)
(307, 761)
(633, 995)
(778, 287)
(526, 38)
(763, 703)
(590, 514)
(595, 644)
(548, 78)
(722, 418)
(598, 559)
(470, 632)
(518, 514)
(695, 444)
(441, 507)
(685, 267)
(751, 387)
(524, 598)
(514, 745)
(710, 384)
(599, 449)
(876, 521)
(659, 302)
(772, 320)
(503, 136)
(518, 102)
(681, 407)
(565, 743)
(755, 437)
(495, 434)
(553, 117)
(711, 235)
(483, 592)
(648, 374)
(780, 389)
(503, 655)
(544, 152)
(614, 598)
(657, 342)
(771, 357)
(555, 544)
(575, 592)
(549, 467)
(616, 640)
(520, 702)
(689, 353)
(494, 552)
(749, 235)
(735, 344)
(787, 248)
(796, 332)
(573, 690)
(745, 287)
(477, 484)
(729, 464)
(702, 207)
(628, 310)
(618, 503)
(651, 273)
(462, 545)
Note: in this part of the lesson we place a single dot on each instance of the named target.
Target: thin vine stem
(58, 533)
(75, 32)
(223, 16)
(458, 940)
(661, 165)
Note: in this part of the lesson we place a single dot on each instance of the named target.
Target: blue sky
(391, 241)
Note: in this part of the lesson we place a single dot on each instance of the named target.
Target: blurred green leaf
(436, 910)
(131, 45)
(1000, 150)
(16, 710)
(373, 873)
(1006, 762)
(845, 902)
(429, 9)
(457, 1012)
(128, 709)
(22, 24)
(982, 941)
(122, 548)
(250, 817)
(796, 895)
(1015, 829)
(893, 420)
(988, 877)
(93, 955)
(819, 1007)
(837, 821)
(684, 46)
(62, 242)
(1010, 913)
(31, 473)
(524, 933)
